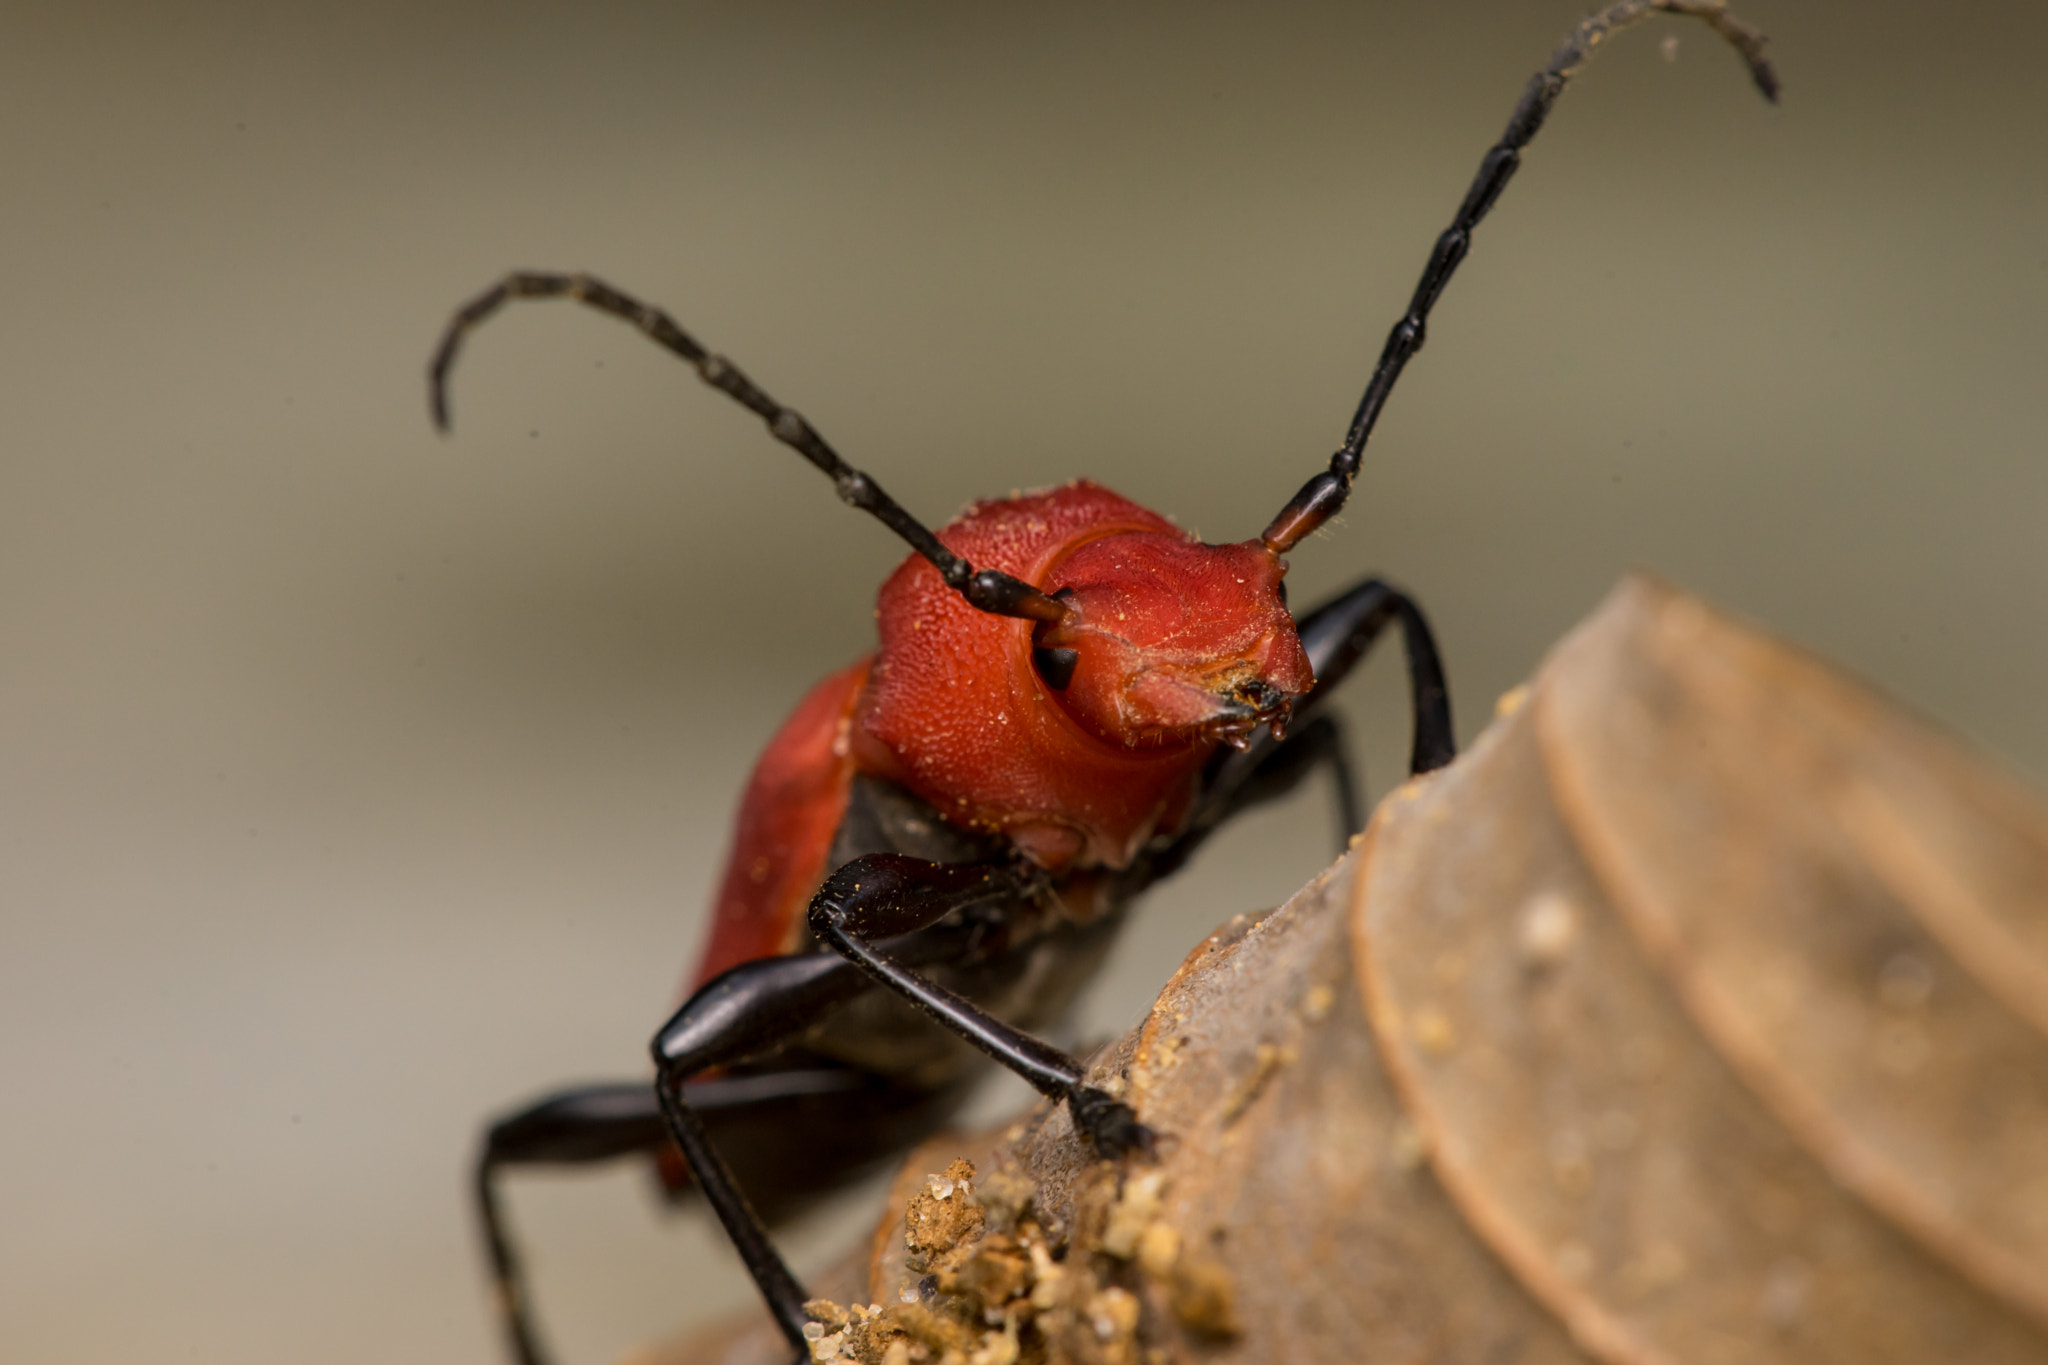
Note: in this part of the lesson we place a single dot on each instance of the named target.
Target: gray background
(354, 783)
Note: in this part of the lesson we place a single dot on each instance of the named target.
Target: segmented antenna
(986, 589)
(1323, 496)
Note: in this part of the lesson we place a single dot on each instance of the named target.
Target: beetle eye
(1056, 666)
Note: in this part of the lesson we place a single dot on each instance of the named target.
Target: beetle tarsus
(1111, 1125)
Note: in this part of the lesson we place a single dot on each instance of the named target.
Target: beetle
(1068, 695)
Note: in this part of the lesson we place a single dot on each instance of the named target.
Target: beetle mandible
(1068, 695)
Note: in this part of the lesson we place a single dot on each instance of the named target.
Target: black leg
(741, 1014)
(799, 1131)
(887, 895)
(592, 1123)
(756, 1008)
(784, 1296)
(1322, 496)
(1337, 634)
(987, 589)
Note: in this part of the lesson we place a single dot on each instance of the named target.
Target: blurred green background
(355, 783)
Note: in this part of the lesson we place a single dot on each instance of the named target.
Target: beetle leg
(774, 1116)
(591, 1123)
(886, 895)
(755, 1008)
(740, 1014)
(1337, 634)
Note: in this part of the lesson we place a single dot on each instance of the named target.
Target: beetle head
(1169, 641)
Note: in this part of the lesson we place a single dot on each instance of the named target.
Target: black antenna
(986, 589)
(1323, 496)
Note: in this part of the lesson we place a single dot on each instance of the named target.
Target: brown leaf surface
(1697, 1014)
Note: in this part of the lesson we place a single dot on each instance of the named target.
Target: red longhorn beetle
(1069, 694)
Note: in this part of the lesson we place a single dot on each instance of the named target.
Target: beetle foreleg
(771, 1273)
(755, 1008)
(746, 1011)
(1337, 634)
(886, 895)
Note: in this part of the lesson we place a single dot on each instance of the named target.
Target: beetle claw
(1111, 1125)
